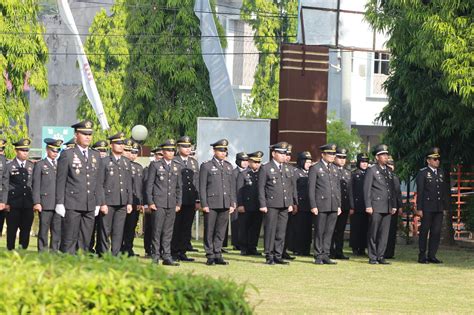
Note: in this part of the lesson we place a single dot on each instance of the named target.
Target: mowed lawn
(351, 286)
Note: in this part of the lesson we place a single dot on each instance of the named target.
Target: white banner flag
(219, 80)
(87, 78)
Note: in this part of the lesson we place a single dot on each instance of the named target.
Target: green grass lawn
(352, 286)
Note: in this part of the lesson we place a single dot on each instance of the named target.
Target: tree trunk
(447, 230)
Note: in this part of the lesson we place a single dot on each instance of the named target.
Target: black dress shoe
(287, 256)
(373, 262)
(361, 252)
(192, 249)
(434, 260)
(328, 261)
(422, 260)
(279, 261)
(170, 262)
(236, 248)
(225, 251)
(319, 262)
(383, 262)
(184, 257)
(269, 262)
(221, 261)
(210, 262)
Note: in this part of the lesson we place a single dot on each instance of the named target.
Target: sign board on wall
(55, 132)
(248, 135)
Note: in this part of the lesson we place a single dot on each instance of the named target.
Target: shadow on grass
(452, 256)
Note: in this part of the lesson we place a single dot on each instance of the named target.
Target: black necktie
(54, 163)
(436, 172)
(85, 155)
(186, 163)
(22, 165)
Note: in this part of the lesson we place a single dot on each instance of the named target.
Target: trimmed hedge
(51, 284)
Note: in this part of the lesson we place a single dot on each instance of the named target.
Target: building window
(381, 63)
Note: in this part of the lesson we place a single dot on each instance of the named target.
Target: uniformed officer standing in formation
(359, 218)
(116, 196)
(77, 198)
(432, 200)
(20, 200)
(147, 220)
(137, 204)
(380, 204)
(3, 183)
(242, 162)
(325, 202)
(392, 234)
(290, 226)
(101, 147)
(70, 144)
(276, 198)
(303, 218)
(44, 197)
(189, 202)
(250, 218)
(217, 191)
(347, 203)
(163, 190)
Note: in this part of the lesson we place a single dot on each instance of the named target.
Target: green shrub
(51, 284)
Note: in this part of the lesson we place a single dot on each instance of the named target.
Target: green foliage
(270, 30)
(430, 87)
(154, 74)
(338, 133)
(168, 88)
(23, 57)
(108, 50)
(220, 28)
(52, 284)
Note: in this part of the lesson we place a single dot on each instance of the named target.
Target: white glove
(60, 210)
(97, 209)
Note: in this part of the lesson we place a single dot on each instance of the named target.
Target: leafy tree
(338, 133)
(23, 57)
(430, 87)
(148, 56)
(273, 22)
(108, 54)
(167, 81)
